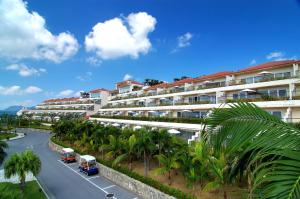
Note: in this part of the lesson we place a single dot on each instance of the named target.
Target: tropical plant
(3, 145)
(21, 164)
(168, 163)
(113, 148)
(271, 146)
(146, 147)
(130, 151)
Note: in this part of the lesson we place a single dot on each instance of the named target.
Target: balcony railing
(201, 87)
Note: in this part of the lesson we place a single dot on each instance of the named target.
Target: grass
(4, 136)
(12, 191)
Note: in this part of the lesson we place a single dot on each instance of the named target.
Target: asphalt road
(64, 181)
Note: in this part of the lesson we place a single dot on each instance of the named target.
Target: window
(282, 93)
(287, 74)
(277, 114)
(273, 93)
(235, 96)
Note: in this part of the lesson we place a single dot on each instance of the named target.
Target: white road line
(93, 177)
(109, 186)
(85, 178)
(42, 189)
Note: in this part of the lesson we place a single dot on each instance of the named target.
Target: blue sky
(44, 52)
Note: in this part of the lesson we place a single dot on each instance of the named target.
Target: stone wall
(135, 186)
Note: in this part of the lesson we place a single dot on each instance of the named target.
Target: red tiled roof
(98, 90)
(273, 64)
(114, 91)
(180, 82)
(128, 82)
(213, 76)
(162, 85)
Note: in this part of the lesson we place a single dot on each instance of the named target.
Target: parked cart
(87, 165)
(68, 155)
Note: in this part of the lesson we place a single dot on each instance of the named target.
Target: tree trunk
(130, 164)
(169, 177)
(145, 164)
(225, 194)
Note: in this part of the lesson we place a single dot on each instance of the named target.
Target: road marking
(109, 186)
(85, 178)
(93, 177)
(42, 189)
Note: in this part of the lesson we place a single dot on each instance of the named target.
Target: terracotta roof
(213, 76)
(180, 82)
(98, 90)
(127, 83)
(162, 85)
(114, 91)
(62, 99)
(273, 64)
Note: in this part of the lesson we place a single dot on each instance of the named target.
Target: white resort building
(273, 86)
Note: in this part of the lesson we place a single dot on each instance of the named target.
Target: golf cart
(87, 165)
(68, 155)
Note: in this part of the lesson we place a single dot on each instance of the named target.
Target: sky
(56, 48)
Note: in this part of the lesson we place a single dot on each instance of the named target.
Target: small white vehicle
(87, 165)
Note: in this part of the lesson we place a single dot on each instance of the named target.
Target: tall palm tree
(130, 151)
(146, 147)
(271, 145)
(168, 163)
(3, 145)
(21, 164)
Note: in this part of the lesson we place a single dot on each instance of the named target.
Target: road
(64, 181)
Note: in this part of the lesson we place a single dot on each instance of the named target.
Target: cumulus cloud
(23, 34)
(65, 93)
(127, 77)
(94, 61)
(86, 77)
(17, 90)
(119, 37)
(25, 71)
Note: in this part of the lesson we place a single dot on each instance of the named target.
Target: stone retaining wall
(135, 186)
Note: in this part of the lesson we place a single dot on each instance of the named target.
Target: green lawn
(12, 191)
(4, 136)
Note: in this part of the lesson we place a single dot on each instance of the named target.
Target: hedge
(156, 119)
(149, 181)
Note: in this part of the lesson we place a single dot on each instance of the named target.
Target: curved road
(61, 181)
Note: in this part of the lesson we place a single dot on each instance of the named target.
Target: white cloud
(127, 77)
(24, 70)
(94, 61)
(275, 55)
(23, 34)
(86, 77)
(77, 94)
(253, 61)
(279, 56)
(184, 40)
(32, 89)
(17, 90)
(118, 37)
(65, 93)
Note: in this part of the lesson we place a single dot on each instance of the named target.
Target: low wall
(135, 186)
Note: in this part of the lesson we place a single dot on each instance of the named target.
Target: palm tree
(271, 147)
(21, 164)
(3, 145)
(130, 151)
(146, 147)
(113, 148)
(168, 163)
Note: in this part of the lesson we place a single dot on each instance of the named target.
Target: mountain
(12, 110)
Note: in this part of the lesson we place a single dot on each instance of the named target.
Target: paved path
(64, 181)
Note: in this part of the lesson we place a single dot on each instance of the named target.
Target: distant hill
(12, 110)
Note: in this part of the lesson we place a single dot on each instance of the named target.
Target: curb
(42, 188)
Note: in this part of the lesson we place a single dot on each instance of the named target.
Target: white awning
(173, 131)
(265, 73)
(248, 90)
(116, 124)
(186, 111)
(137, 127)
